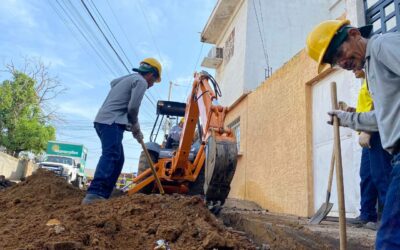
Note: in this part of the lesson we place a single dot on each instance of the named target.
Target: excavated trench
(273, 231)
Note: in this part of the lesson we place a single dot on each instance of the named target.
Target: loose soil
(127, 222)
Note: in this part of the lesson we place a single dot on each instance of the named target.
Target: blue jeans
(375, 172)
(388, 237)
(111, 161)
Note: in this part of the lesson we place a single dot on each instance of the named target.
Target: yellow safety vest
(364, 103)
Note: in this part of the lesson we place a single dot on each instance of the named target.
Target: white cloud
(78, 109)
(147, 50)
(53, 61)
(17, 11)
(76, 82)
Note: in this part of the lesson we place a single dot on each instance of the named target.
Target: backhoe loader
(205, 167)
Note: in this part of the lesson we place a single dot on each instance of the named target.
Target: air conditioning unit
(216, 52)
(214, 58)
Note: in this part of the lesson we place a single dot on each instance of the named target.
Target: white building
(253, 38)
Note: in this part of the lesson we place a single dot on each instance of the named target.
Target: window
(235, 126)
(384, 15)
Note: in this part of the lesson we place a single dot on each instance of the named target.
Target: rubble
(48, 215)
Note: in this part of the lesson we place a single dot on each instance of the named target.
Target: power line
(151, 34)
(194, 70)
(82, 33)
(118, 44)
(127, 39)
(104, 35)
(80, 18)
(109, 43)
(122, 29)
(72, 32)
(91, 43)
(261, 36)
(112, 34)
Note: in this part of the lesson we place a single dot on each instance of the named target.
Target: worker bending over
(337, 43)
(118, 113)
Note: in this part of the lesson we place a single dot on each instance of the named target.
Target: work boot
(356, 221)
(372, 225)
(92, 198)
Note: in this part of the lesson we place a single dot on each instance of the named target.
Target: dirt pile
(128, 222)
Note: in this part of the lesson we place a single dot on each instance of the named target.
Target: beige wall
(13, 168)
(275, 168)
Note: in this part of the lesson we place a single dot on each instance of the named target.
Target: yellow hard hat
(182, 120)
(154, 63)
(320, 37)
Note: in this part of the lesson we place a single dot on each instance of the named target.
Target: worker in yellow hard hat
(118, 113)
(150, 65)
(326, 38)
(336, 42)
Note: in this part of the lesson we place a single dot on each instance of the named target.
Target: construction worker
(336, 42)
(375, 164)
(118, 113)
(175, 134)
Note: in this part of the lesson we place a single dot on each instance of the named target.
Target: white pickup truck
(63, 166)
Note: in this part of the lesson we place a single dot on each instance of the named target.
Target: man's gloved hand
(136, 132)
(342, 115)
(344, 107)
(364, 140)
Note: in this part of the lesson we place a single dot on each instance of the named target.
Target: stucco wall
(275, 169)
(11, 167)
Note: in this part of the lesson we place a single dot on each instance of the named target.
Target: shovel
(151, 164)
(326, 207)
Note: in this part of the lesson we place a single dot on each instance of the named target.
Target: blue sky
(168, 30)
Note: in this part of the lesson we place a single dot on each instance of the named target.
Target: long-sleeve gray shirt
(123, 101)
(383, 77)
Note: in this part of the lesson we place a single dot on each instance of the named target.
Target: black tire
(143, 166)
(77, 182)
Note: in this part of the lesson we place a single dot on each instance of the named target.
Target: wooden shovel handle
(150, 162)
(339, 171)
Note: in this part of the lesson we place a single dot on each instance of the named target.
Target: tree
(46, 87)
(23, 126)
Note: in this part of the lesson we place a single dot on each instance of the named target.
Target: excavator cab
(166, 110)
(203, 167)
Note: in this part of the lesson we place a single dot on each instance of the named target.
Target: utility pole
(169, 92)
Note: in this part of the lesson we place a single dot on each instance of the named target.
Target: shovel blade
(322, 212)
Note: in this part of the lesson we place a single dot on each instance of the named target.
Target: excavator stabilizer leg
(221, 160)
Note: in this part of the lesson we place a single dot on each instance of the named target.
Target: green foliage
(23, 127)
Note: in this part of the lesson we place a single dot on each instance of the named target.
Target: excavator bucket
(220, 166)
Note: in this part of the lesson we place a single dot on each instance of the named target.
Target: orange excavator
(205, 167)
